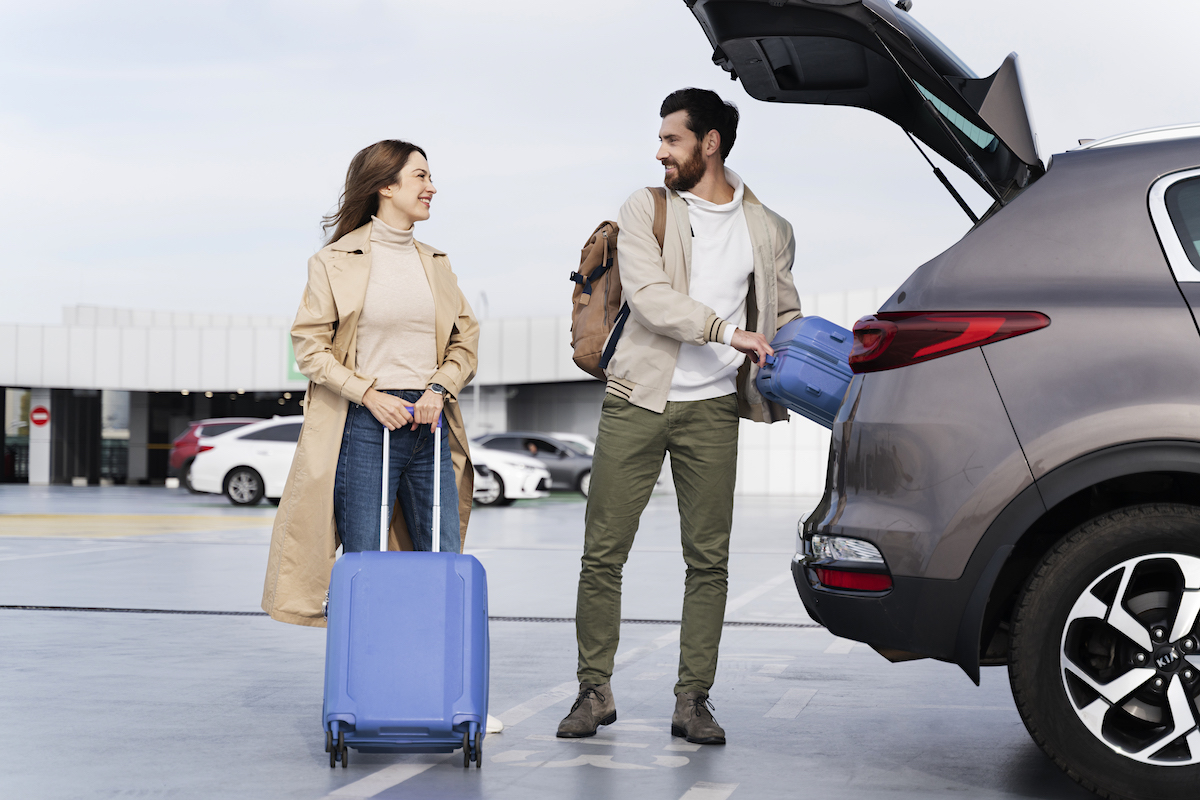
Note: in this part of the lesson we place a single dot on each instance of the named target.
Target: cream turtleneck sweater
(397, 342)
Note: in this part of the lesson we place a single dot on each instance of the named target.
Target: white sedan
(247, 463)
(517, 477)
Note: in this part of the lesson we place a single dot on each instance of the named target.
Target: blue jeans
(356, 489)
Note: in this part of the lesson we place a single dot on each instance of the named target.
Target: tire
(584, 484)
(244, 486)
(186, 471)
(1105, 662)
(495, 498)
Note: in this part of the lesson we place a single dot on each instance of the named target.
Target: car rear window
(276, 433)
(216, 429)
(1183, 204)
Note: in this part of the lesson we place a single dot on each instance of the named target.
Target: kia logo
(1169, 658)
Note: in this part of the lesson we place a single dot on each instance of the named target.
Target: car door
(272, 450)
(554, 458)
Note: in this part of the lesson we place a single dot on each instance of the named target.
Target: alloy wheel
(245, 487)
(1130, 659)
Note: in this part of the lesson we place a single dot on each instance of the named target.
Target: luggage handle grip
(435, 534)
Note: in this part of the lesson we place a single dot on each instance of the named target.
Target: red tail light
(862, 581)
(204, 448)
(897, 339)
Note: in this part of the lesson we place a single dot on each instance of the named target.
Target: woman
(382, 327)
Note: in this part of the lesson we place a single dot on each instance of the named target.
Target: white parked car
(517, 477)
(247, 463)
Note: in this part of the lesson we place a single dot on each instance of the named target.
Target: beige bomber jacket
(662, 315)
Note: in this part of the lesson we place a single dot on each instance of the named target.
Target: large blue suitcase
(810, 371)
(407, 652)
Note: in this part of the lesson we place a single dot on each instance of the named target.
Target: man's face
(680, 152)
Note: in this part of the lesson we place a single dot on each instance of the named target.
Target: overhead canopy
(868, 54)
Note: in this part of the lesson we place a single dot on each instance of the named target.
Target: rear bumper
(918, 617)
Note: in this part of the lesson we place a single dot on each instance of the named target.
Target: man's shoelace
(585, 694)
(703, 706)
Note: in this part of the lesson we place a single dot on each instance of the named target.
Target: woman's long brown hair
(372, 168)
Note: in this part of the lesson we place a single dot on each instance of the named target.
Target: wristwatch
(437, 388)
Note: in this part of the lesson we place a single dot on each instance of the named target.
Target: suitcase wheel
(477, 755)
(340, 751)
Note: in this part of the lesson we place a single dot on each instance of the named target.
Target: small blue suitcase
(810, 371)
(407, 651)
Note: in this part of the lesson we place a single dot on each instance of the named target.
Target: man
(717, 292)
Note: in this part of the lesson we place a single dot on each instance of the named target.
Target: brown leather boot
(594, 707)
(694, 721)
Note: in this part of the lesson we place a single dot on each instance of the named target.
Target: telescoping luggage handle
(437, 488)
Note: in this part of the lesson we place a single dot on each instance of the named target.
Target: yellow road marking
(107, 526)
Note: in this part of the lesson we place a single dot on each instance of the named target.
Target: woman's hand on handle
(427, 410)
(388, 409)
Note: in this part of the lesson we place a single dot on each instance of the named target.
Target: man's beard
(689, 173)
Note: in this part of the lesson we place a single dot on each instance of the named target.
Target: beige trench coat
(304, 540)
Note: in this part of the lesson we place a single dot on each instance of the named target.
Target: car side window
(219, 428)
(504, 443)
(1183, 204)
(541, 448)
(276, 433)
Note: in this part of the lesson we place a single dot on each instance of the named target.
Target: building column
(139, 437)
(39, 439)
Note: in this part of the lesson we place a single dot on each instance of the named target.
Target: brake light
(204, 448)
(862, 581)
(896, 339)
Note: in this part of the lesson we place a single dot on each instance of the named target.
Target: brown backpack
(596, 308)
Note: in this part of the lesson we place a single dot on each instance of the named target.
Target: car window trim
(1164, 226)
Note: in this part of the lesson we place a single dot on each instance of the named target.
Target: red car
(183, 449)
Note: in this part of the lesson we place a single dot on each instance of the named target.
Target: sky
(179, 156)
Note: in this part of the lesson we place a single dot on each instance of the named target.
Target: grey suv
(1014, 475)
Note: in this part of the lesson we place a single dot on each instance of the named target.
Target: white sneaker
(494, 725)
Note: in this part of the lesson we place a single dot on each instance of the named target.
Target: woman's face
(409, 198)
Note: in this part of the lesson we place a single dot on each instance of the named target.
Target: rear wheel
(244, 487)
(585, 483)
(1105, 659)
(496, 497)
(186, 471)
(492, 496)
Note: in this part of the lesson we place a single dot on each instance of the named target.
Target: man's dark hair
(706, 112)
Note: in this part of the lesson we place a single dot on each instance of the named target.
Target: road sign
(39, 415)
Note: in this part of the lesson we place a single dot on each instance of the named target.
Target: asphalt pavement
(194, 694)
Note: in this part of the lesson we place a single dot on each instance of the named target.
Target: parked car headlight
(841, 548)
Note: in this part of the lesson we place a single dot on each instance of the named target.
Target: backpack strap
(660, 214)
(660, 233)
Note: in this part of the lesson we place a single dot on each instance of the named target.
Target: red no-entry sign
(39, 415)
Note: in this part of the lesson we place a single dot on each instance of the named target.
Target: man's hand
(754, 345)
(427, 410)
(388, 409)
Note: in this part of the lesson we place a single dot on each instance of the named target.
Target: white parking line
(385, 779)
(546, 737)
(791, 704)
(72, 552)
(709, 791)
(539, 703)
(749, 597)
(840, 647)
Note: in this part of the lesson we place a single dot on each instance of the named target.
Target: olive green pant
(701, 437)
